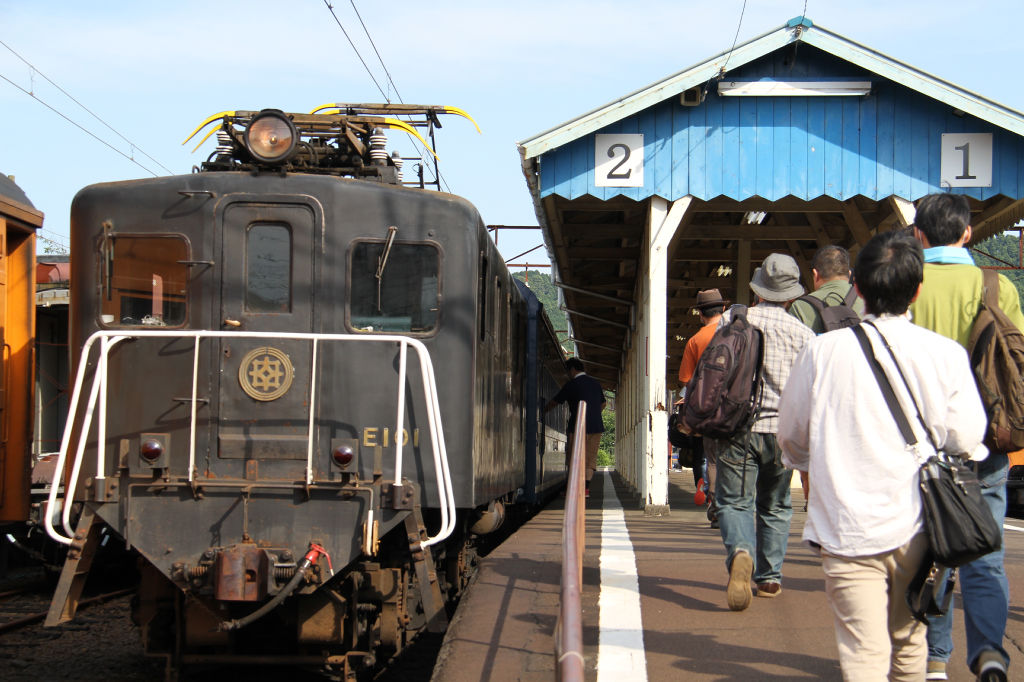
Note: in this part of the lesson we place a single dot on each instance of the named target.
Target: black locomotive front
(296, 381)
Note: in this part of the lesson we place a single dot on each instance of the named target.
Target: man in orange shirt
(709, 308)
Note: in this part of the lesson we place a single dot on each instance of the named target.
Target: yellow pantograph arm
(337, 107)
(402, 125)
(207, 122)
(463, 114)
(205, 138)
(322, 107)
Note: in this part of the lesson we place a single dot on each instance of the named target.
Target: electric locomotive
(303, 388)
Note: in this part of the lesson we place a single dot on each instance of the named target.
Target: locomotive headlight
(271, 137)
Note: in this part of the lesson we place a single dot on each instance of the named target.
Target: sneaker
(769, 590)
(699, 497)
(738, 593)
(936, 671)
(586, 492)
(991, 667)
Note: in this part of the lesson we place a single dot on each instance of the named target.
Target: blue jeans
(752, 495)
(984, 589)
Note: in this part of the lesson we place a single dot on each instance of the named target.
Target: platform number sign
(619, 161)
(966, 160)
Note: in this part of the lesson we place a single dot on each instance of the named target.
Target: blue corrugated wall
(886, 143)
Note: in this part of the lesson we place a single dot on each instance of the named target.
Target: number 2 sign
(619, 161)
(966, 160)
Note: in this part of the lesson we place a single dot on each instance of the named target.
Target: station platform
(675, 625)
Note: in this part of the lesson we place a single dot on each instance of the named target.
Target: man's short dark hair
(888, 271)
(942, 218)
(574, 364)
(832, 261)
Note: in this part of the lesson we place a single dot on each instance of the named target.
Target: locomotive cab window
(144, 281)
(394, 287)
(268, 271)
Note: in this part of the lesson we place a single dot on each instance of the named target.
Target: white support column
(665, 218)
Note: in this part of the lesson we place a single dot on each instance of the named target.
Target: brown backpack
(996, 349)
(724, 394)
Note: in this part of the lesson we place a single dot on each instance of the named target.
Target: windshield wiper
(383, 261)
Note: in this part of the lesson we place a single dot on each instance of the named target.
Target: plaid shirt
(784, 337)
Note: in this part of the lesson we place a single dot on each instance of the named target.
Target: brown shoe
(738, 592)
(769, 590)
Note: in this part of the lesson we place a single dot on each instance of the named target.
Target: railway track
(26, 606)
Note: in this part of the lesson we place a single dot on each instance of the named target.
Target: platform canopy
(796, 139)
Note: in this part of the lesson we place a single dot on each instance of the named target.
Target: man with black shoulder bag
(836, 422)
(952, 294)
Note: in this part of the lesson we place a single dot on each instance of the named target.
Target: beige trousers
(591, 445)
(877, 636)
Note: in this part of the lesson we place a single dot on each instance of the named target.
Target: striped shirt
(784, 337)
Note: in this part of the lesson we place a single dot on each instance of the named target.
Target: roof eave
(916, 79)
(804, 31)
(657, 92)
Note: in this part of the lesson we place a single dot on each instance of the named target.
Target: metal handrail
(108, 339)
(569, 631)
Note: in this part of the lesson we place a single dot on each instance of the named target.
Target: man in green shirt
(831, 273)
(948, 303)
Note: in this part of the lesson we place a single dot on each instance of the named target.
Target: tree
(1002, 250)
(606, 451)
(547, 293)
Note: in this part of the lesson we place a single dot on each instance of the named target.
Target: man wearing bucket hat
(752, 485)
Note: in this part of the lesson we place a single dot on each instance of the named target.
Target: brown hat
(709, 298)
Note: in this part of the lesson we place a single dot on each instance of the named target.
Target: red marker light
(151, 450)
(343, 455)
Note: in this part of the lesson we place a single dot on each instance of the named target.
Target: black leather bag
(959, 524)
(931, 591)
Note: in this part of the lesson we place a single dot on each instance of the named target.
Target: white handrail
(110, 338)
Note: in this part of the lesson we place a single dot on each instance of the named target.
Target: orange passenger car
(19, 221)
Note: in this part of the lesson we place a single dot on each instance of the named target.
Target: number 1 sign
(966, 160)
(619, 161)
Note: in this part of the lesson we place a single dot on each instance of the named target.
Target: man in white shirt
(864, 512)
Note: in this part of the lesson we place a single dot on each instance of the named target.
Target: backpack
(724, 392)
(838, 316)
(996, 349)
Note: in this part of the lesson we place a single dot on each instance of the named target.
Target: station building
(794, 140)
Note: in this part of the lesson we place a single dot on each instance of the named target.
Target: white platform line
(620, 653)
(1007, 526)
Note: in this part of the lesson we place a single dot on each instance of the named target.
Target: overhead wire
(440, 178)
(374, 46)
(356, 50)
(735, 38)
(78, 125)
(91, 113)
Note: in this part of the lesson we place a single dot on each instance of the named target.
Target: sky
(150, 73)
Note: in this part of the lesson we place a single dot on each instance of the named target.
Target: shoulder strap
(814, 302)
(851, 297)
(883, 383)
(990, 285)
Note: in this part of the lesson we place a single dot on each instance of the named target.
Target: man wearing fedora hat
(752, 485)
(709, 307)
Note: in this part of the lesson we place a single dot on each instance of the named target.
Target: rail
(569, 631)
(108, 339)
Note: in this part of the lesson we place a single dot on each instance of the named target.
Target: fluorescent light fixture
(793, 88)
